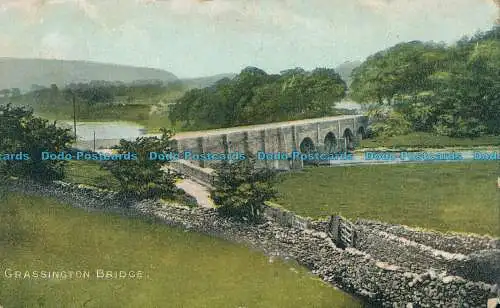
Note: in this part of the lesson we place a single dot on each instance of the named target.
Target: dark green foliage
(240, 189)
(90, 97)
(449, 90)
(106, 92)
(143, 178)
(23, 132)
(254, 97)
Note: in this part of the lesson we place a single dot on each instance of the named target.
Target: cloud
(385, 6)
(376, 5)
(23, 5)
(33, 7)
(497, 3)
(401, 9)
(248, 13)
(201, 7)
(7, 44)
(89, 9)
(55, 46)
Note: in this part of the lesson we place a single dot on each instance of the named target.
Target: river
(105, 130)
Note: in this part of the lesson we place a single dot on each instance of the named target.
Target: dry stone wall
(362, 273)
(454, 243)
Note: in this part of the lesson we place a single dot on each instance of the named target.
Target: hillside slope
(202, 82)
(345, 69)
(23, 73)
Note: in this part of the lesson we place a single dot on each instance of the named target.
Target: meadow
(439, 196)
(459, 197)
(180, 269)
(421, 140)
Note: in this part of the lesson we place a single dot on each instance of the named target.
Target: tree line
(90, 95)
(451, 90)
(414, 86)
(255, 97)
(430, 87)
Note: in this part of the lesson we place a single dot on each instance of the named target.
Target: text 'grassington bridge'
(327, 135)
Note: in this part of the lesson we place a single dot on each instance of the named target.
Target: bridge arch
(361, 132)
(307, 145)
(330, 143)
(349, 138)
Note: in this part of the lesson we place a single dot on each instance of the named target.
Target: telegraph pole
(74, 114)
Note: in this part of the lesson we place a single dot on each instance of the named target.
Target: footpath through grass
(446, 196)
(181, 269)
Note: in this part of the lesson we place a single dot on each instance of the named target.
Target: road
(200, 192)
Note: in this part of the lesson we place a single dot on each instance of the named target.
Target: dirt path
(198, 191)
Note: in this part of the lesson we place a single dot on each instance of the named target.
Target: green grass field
(434, 196)
(181, 269)
(89, 173)
(427, 140)
(459, 197)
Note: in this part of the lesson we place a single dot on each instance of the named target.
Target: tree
(15, 92)
(5, 92)
(467, 98)
(240, 189)
(23, 132)
(392, 124)
(143, 178)
(449, 90)
(401, 69)
(255, 97)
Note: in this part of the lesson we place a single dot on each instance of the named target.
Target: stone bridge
(327, 135)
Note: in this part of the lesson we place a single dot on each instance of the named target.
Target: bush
(144, 178)
(393, 124)
(240, 189)
(24, 133)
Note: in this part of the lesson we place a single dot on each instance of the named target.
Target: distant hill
(203, 82)
(345, 69)
(26, 73)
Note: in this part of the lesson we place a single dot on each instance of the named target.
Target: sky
(193, 38)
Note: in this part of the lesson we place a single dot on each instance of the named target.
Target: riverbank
(358, 272)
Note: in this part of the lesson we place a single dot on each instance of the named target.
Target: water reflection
(105, 130)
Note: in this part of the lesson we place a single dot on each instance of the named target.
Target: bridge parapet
(204, 175)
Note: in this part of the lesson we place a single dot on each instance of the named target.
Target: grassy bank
(427, 140)
(447, 197)
(89, 173)
(180, 269)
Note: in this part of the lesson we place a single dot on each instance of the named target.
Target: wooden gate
(342, 231)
